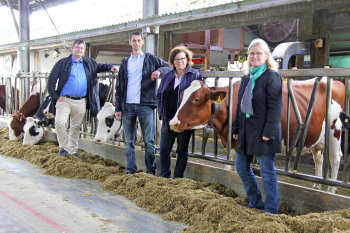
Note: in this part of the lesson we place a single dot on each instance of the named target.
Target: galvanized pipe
(306, 122)
(229, 131)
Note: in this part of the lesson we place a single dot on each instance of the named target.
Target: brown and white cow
(195, 112)
(3, 97)
(16, 121)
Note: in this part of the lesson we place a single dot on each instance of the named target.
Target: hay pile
(204, 207)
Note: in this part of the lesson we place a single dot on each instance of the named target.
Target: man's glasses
(180, 59)
(258, 54)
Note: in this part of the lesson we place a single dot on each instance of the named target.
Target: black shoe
(152, 172)
(256, 207)
(63, 152)
(76, 155)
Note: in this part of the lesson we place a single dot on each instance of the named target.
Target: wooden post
(207, 52)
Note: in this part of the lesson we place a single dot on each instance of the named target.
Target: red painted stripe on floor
(42, 217)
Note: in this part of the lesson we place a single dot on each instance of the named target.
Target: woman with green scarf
(257, 126)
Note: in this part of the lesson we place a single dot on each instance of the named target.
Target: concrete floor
(32, 202)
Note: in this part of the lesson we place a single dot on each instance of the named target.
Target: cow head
(33, 131)
(107, 125)
(195, 110)
(16, 123)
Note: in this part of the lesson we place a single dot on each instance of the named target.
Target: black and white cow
(108, 125)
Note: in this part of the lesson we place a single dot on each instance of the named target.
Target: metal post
(327, 119)
(229, 131)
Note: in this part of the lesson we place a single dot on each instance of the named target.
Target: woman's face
(257, 56)
(180, 61)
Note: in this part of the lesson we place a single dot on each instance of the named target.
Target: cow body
(196, 111)
(3, 97)
(108, 125)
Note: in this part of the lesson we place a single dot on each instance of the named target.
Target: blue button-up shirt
(135, 65)
(77, 82)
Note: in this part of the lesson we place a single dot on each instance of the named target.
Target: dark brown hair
(136, 33)
(178, 49)
(78, 41)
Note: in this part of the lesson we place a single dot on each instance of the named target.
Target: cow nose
(174, 122)
(98, 141)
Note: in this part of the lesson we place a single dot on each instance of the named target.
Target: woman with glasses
(172, 85)
(257, 126)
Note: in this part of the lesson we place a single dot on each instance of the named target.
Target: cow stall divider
(24, 83)
(300, 134)
(89, 124)
(297, 141)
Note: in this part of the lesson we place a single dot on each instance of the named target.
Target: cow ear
(20, 118)
(218, 96)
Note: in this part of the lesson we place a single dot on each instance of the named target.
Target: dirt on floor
(204, 207)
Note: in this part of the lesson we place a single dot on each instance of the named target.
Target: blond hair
(270, 62)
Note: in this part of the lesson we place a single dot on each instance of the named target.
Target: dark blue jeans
(269, 177)
(167, 140)
(145, 115)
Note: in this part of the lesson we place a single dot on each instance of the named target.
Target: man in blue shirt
(77, 88)
(136, 97)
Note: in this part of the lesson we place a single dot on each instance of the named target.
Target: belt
(74, 98)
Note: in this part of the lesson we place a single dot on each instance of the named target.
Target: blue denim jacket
(186, 80)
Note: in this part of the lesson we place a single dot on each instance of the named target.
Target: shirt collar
(140, 54)
(73, 60)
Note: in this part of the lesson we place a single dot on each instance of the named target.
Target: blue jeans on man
(269, 178)
(145, 115)
(167, 140)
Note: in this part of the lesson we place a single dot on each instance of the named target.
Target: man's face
(136, 43)
(78, 50)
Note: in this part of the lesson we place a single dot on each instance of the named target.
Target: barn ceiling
(36, 5)
(247, 13)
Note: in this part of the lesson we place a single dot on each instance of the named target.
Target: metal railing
(335, 73)
(89, 124)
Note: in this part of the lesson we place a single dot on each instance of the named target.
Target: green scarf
(246, 104)
(255, 73)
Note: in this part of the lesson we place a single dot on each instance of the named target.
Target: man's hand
(155, 75)
(118, 116)
(114, 69)
(60, 99)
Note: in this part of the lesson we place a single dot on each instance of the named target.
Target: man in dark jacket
(136, 97)
(77, 88)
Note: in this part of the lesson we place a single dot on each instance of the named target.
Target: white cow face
(107, 125)
(33, 132)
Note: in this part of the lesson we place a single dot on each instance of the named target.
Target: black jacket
(61, 72)
(266, 121)
(186, 80)
(148, 86)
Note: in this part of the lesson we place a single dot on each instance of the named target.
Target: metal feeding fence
(24, 82)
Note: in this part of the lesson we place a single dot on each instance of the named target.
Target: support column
(207, 52)
(322, 24)
(24, 36)
(23, 52)
(151, 9)
(165, 45)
